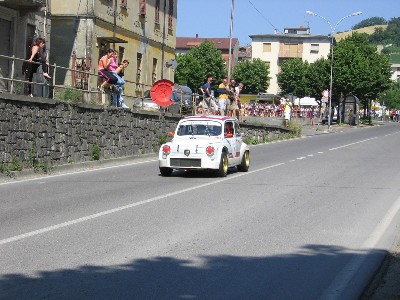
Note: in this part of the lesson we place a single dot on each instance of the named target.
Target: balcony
(23, 4)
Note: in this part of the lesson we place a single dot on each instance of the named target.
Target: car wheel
(223, 165)
(166, 172)
(245, 163)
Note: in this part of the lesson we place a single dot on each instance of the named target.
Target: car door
(230, 139)
(238, 141)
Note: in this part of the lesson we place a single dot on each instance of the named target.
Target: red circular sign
(161, 92)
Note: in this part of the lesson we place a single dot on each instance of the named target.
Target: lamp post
(333, 30)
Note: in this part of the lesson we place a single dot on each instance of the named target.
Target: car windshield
(208, 128)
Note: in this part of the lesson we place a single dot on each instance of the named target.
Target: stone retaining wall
(58, 132)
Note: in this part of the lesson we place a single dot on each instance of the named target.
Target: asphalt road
(312, 219)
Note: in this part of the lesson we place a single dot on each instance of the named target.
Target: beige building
(142, 31)
(293, 43)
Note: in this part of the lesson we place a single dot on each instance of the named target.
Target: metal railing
(86, 91)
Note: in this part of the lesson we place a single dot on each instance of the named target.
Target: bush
(70, 95)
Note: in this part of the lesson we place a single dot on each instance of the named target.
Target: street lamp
(333, 29)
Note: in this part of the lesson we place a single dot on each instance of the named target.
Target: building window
(266, 47)
(121, 51)
(314, 48)
(170, 13)
(157, 14)
(124, 3)
(142, 8)
(154, 73)
(138, 69)
(291, 49)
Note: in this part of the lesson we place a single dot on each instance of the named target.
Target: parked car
(146, 102)
(205, 142)
(179, 93)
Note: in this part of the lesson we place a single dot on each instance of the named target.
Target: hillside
(368, 30)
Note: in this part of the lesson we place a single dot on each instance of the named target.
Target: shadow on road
(209, 277)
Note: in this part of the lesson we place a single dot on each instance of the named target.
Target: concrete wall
(57, 132)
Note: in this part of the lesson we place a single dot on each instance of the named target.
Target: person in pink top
(104, 70)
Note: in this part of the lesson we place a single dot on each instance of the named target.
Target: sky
(211, 18)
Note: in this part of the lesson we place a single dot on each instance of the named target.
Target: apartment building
(142, 31)
(293, 43)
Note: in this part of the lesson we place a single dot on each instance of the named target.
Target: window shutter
(170, 13)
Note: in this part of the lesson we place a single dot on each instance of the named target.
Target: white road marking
(78, 172)
(341, 280)
(125, 207)
(344, 146)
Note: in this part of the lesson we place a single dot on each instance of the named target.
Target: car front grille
(186, 162)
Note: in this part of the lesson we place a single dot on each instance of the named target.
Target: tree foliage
(390, 35)
(391, 97)
(370, 22)
(198, 64)
(358, 69)
(318, 77)
(293, 77)
(254, 74)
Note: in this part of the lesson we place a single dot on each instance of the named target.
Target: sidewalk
(309, 130)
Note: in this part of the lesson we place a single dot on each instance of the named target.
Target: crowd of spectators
(259, 109)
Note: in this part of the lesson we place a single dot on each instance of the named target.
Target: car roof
(212, 118)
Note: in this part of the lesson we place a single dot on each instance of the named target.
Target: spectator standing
(119, 86)
(239, 109)
(35, 60)
(232, 96)
(208, 101)
(287, 111)
(223, 89)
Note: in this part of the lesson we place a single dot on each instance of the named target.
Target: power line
(272, 25)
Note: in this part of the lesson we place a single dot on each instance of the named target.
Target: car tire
(223, 165)
(245, 163)
(166, 171)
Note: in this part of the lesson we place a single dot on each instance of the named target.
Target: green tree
(254, 74)
(318, 78)
(391, 97)
(198, 64)
(370, 22)
(292, 78)
(359, 70)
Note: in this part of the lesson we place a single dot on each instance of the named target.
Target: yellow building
(142, 31)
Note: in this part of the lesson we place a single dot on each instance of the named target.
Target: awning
(306, 101)
(111, 40)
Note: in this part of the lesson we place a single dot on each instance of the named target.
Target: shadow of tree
(291, 276)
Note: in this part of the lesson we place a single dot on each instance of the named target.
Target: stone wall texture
(57, 132)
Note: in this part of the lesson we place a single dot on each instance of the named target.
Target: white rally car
(205, 142)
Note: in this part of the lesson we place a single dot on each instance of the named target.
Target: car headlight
(166, 150)
(210, 150)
